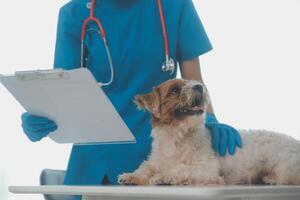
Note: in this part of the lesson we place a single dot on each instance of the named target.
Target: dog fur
(182, 153)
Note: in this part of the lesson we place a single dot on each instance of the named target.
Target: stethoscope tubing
(168, 65)
(107, 50)
(164, 28)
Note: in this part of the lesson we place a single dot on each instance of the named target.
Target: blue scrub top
(136, 41)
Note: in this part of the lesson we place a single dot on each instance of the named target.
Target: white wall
(252, 74)
(27, 40)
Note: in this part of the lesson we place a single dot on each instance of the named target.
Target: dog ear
(150, 102)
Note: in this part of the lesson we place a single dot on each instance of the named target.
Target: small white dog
(182, 153)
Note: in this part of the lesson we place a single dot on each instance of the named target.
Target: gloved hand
(224, 137)
(36, 128)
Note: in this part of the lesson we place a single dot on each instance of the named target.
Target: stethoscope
(167, 66)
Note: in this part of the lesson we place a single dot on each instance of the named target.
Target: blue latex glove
(36, 128)
(224, 137)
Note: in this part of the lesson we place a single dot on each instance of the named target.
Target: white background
(252, 73)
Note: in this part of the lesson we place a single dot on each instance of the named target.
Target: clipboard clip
(41, 74)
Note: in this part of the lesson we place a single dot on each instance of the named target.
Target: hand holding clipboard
(70, 98)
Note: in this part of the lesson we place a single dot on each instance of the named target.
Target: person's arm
(224, 137)
(68, 44)
(191, 70)
(192, 43)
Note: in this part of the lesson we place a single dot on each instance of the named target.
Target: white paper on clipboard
(74, 100)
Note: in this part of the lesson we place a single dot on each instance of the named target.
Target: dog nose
(198, 88)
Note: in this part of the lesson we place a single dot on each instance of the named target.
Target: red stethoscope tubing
(164, 28)
(92, 18)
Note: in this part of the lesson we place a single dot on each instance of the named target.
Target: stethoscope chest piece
(169, 66)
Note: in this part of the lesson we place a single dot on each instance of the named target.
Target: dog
(181, 148)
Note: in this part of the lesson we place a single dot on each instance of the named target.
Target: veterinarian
(135, 38)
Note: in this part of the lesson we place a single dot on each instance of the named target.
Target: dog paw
(212, 181)
(220, 180)
(216, 181)
(133, 179)
(161, 179)
(270, 180)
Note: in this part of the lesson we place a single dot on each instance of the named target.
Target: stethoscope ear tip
(88, 5)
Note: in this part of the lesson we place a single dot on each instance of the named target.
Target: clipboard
(74, 100)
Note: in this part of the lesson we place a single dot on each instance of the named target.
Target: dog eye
(175, 90)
